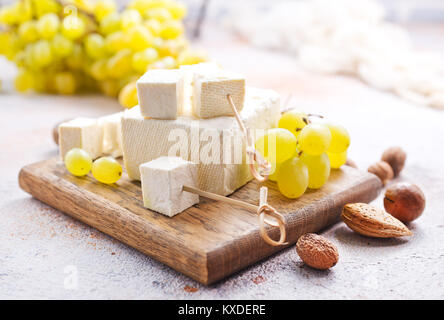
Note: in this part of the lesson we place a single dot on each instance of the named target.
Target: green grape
(314, 139)
(107, 170)
(20, 59)
(78, 162)
(139, 38)
(110, 87)
(10, 44)
(110, 24)
(98, 70)
(40, 82)
(318, 169)
(24, 81)
(141, 60)
(159, 14)
(171, 29)
(169, 62)
(95, 46)
(154, 26)
(73, 27)
(191, 57)
(130, 19)
(76, 58)
(103, 8)
(337, 159)
(128, 95)
(42, 53)
(171, 48)
(9, 15)
(27, 31)
(115, 41)
(120, 65)
(5, 39)
(65, 83)
(48, 25)
(43, 7)
(277, 145)
(274, 171)
(292, 178)
(340, 139)
(176, 9)
(293, 121)
(25, 11)
(61, 46)
(143, 5)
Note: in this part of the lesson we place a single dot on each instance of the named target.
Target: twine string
(265, 211)
(253, 155)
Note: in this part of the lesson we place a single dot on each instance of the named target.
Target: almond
(317, 251)
(373, 222)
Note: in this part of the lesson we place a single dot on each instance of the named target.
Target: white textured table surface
(42, 251)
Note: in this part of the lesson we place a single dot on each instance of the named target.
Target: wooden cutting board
(207, 242)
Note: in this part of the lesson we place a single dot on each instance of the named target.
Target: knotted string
(253, 155)
(267, 214)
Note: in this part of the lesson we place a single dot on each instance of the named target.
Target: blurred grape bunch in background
(71, 46)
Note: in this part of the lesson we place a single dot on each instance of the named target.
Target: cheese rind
(158, 93)
(112, 134)
(210, 90)
(146, 139)
(84, 133)
(162, 185)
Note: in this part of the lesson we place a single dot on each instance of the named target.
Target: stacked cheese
(98, 137)
(184, 113)
(196, 123)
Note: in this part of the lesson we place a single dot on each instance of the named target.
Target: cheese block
(162, 185)
(210, 90)
(84, 133)
(186, 85)
(112, 136)
(158, 93)
(215, 145)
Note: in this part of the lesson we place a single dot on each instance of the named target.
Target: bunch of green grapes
(302, 153)
(70, 46)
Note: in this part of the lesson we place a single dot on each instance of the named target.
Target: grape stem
(315, 115)
(64, 4)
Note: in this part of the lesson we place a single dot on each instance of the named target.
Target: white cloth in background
(351, 37)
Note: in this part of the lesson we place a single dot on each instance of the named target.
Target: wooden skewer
(252, 153)
(217, 197)
(264, 211)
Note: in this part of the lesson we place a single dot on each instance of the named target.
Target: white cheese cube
(158, 93)
(210, 90)
(84, 133)
(162, 183)
(147, 139)
(112, 135)
(186, 85)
